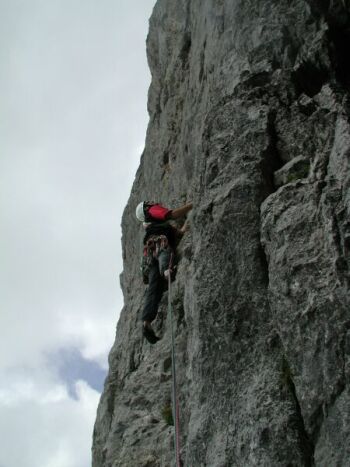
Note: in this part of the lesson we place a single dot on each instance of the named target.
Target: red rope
(176, 415)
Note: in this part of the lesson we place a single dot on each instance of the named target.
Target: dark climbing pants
(156, 284)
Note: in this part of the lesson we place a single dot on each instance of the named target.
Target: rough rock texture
(249, 118)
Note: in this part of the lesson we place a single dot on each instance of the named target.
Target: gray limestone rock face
(249, 119)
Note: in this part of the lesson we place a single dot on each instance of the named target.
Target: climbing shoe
(150, 335)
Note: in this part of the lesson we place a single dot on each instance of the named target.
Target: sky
(73, 99)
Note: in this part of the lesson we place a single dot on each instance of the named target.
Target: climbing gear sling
(154, 245)
(175, 403)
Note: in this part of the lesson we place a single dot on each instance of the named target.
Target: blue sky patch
(72, 366)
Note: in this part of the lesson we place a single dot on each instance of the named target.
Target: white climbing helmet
(140, 213)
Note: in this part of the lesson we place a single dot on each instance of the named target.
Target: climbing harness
(151, 250)
(175, 403)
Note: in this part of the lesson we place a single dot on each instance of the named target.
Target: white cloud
(46, 428)
(75, 104)
(93, 337)
(73, 96)
(24, 389)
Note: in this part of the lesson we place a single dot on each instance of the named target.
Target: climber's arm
(180, 212)
(185, 228)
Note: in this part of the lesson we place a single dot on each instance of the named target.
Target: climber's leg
(165, 259)
(153, 296)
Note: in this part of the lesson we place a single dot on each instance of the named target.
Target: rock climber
(159, 242)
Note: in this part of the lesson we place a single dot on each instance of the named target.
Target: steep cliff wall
(249, 119)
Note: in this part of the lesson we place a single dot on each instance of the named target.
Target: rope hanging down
(175, 401)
